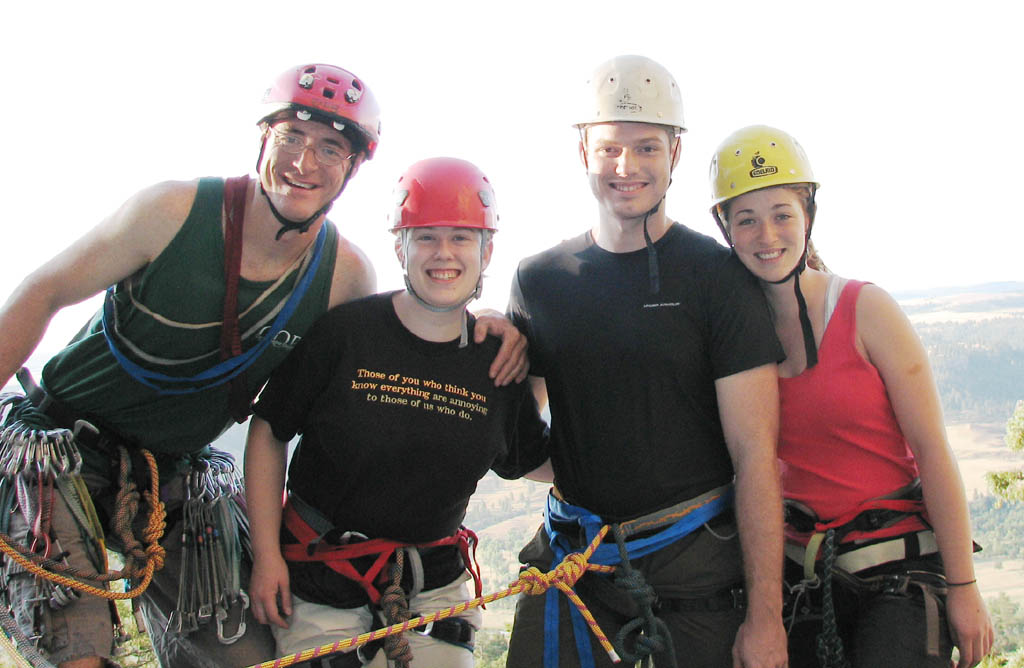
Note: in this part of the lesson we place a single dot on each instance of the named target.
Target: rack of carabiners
(215, 531)
(36, 464)
(532, 582)
(33, 463)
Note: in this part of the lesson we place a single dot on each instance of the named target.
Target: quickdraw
(37, 464)
(214, 535)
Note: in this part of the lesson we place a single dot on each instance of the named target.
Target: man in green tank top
(211, 283)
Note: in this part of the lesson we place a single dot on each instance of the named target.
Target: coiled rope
(654, 636)
(396, 609)
(141, 560)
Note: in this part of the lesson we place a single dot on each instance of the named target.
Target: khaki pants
(313, 625)
(84, 628)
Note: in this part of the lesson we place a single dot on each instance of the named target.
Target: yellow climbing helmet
(631, 88)
(757, 157)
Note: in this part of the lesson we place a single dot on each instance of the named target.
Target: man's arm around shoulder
(119, 246)
(748, 402)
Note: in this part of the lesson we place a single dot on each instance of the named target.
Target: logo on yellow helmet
(760, 169)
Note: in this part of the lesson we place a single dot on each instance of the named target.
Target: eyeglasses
(328, 152)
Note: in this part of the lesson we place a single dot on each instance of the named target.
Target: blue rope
(223, 371)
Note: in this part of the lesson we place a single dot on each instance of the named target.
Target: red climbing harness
(339, 557)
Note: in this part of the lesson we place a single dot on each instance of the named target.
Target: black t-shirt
(396, 432)
(630, 374)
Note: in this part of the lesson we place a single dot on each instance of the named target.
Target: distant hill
(990, 288)
(975, 341)
(980, 302)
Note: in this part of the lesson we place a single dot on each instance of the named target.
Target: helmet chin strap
(464, 335)
(289, 225)
(652, 253)
(303, 225)
(475, 294)
(810, 349)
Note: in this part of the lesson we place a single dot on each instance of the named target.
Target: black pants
(700, 567)
(877, 629)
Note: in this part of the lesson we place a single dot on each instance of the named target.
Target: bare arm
(354, 276)
(749, 406)
(888, 341)
(269, 588)
(544, 472)
(116, 248)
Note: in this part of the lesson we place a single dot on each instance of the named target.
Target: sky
(909, 112)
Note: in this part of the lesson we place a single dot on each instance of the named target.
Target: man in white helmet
(656, 351)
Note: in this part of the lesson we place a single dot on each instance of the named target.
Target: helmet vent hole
(772, 144)
(310, 70)
(738, 151)
(357, 85)
(334, 80)
(329, 93)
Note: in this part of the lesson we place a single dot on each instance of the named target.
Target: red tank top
(839, 442)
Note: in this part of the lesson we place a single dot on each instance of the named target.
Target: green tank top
(171, 311)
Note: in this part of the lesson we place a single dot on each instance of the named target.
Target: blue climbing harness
(692, 514)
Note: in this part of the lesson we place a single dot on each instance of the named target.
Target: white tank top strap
(832, 293)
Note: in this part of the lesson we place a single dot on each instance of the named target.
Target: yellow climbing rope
(531, 581)
(154, 553)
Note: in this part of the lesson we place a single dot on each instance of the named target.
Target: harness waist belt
(858, 559)
(339, 557)
(668, 526)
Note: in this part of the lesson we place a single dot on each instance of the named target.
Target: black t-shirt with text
(396, 432)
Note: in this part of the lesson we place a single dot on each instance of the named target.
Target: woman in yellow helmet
(878, 535)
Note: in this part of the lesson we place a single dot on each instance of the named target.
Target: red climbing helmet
(334, 95)
(444, 192)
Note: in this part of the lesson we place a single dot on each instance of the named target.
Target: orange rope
(154, 552)
(531, 581)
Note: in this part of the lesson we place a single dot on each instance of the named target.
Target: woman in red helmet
(399, 421)
(877, 532)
